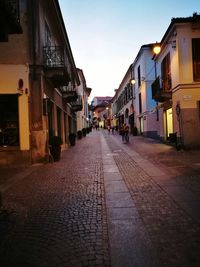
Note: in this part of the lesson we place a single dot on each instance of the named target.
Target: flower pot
(79, 134)
(72, 139)
(55, 147)
(55, 152)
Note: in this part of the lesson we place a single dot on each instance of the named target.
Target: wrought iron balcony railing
(53, 56)
(158, 92)
(14, 8)
(9, 19)
(77, 105)
(69, 93)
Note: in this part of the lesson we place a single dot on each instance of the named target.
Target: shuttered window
(196, 59)
(166, 73)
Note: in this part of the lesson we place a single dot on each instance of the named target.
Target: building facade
(159, 96)
(145, 108)
(101, 115)
(177, 86)
(123, 102)
(38, 84)
(83, 108)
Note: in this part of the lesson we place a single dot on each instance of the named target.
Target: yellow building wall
(9, 77)
(187, 98)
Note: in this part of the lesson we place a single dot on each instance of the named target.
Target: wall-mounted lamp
(156, 48)
(132, 81)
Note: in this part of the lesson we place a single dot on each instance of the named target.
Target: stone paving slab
(119, 200)
(127, 235)
(112, 176)
(115, 186)
(129, 244)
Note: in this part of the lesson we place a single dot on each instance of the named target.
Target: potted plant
(55, 147)
(72, 139)
(79, 134)
(84, 132)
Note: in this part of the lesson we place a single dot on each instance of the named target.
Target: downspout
(32, 62)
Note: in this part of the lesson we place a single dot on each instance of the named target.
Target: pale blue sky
(106, 35)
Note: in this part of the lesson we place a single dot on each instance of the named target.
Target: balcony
(159, 94)
(69, 93)
(54, 64)
(77, 105)
(9, 19)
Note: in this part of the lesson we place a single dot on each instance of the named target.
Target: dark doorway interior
(9, 120)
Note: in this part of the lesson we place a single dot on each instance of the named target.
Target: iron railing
(77, 105)
(159, 93)
(53, 56)
(14, 8)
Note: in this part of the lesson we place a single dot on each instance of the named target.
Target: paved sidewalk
(130, 244)
(168, 208)
(177, 172)
(104, 204)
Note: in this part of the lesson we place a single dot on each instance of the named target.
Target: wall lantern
(156, 48)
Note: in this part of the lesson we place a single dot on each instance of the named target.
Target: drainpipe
(178, 113)
(32, 14)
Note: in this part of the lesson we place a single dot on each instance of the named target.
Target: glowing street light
(156, 49)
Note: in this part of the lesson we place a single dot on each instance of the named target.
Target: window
(196, 59)
(139, 78)
(166, 73)
(140, 103)
(59, 127)
(198, 108)
(47, 35)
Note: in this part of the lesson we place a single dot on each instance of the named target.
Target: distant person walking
(108, 129)
(126, 133)
(121, 132)
(113, 129)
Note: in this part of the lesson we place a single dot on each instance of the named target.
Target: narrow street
(104, 203)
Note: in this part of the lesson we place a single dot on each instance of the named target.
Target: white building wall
(148, 116)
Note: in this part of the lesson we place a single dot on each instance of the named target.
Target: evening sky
(106, 35)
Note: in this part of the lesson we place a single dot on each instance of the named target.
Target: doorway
(169, 121)
(9, 120)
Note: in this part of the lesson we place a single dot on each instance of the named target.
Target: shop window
(9, 129)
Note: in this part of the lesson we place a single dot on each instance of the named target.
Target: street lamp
(132, 81)
(156, 50)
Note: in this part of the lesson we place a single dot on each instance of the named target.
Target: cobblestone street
(104, 204)
(59, 213)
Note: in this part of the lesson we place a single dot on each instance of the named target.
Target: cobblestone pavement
(175, 235)
(57, 214)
